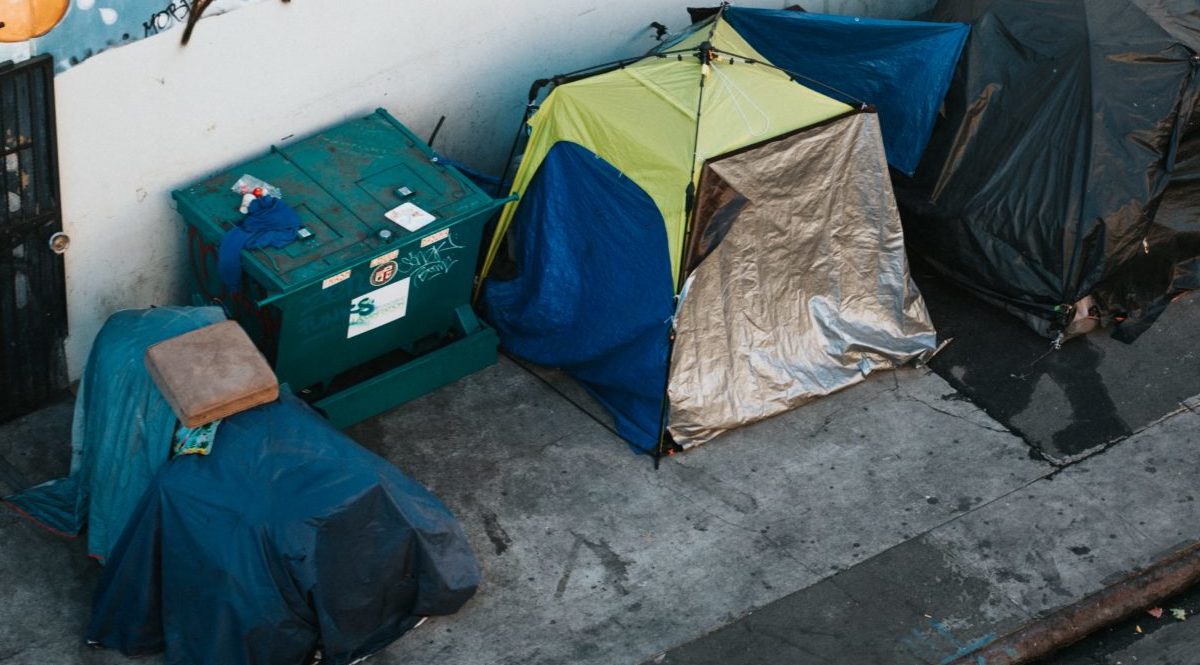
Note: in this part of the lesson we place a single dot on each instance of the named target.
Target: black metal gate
(33, 316)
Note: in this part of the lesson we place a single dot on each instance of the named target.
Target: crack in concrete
(547, 446)
(1063, 465)
(913, 398)
(568, 398)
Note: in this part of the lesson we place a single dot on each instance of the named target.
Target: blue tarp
(114, 458)
(594, 293)
(903, 68)
(287, 538)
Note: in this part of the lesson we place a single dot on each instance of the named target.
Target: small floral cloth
(195, 440)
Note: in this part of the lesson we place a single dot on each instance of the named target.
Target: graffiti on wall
(75, 30)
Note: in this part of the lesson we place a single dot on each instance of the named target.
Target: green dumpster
(364, 310)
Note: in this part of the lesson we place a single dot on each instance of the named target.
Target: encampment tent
(1042, 186)
(902, 68)
(704, 171)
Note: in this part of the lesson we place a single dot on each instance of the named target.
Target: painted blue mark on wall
(93, 26)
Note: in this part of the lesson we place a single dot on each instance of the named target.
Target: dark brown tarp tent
(1066, 124)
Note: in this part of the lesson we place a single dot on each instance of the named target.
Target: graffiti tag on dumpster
(428, 262)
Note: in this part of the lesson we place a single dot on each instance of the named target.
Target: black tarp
(1042, 181)
(287, 538)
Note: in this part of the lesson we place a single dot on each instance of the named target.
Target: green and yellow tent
(703, 241)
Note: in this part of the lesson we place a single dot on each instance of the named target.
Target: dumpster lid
(341, 182)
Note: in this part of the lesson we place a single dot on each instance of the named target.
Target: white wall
(15, 52)
(137, 121)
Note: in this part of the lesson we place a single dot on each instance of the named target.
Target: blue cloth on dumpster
(288, 537)
(121, 433)
(270, 223)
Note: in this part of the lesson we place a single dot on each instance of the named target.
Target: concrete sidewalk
(893, 523)
(990, 570)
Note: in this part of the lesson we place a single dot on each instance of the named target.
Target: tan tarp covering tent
(806, 293)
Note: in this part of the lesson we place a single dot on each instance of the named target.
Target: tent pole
(606, 67)
(664, 405)
(793, 75)
(512, 151)
(704, 52)
(557, 80)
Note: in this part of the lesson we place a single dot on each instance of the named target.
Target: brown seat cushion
(211, 373)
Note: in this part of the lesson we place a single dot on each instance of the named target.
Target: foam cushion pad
(211, 373)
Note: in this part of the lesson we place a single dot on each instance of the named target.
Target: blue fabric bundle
(270, 223)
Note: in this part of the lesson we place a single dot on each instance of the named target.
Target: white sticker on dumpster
(336, 279)
(430, 239)
(378, 308)
(380, 260)
(410, 216)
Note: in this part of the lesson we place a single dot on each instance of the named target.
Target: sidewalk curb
(1163, 578)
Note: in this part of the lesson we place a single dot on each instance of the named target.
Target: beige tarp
(808, 290)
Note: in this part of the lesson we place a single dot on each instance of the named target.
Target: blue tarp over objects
(287, 538)
(114, 458)
(903, 68)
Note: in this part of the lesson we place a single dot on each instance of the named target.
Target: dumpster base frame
(475, 350)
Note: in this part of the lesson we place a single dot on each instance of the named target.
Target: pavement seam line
(999, 429)
(1105, 447)
(832, 578)
(1086, 488)
(962, 389)
(822, 576)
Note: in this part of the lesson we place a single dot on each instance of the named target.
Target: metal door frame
(33, 312)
